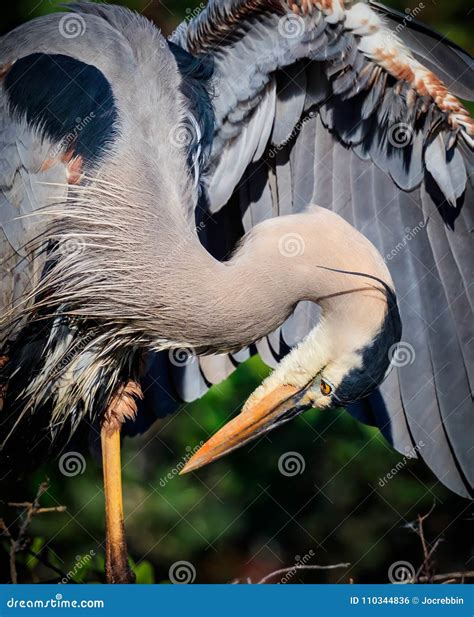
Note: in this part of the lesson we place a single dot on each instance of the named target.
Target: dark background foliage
(242, 517)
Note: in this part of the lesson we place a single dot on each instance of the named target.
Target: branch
(426, 566)
(445, 577)
(11, 552)
(30, 510)
(301, 567)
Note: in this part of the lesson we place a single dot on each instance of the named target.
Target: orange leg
(122, 406)
(117, 569)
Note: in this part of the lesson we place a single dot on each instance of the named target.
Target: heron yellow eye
(325, 388)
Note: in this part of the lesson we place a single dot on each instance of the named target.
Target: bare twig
(20, 543)
(437, 578)
(425, 573)
(11, 552)
(301, 567)
(427, 566)
(28, 504)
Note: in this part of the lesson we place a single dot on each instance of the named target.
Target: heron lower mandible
(159, 194)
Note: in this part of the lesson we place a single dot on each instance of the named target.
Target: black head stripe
(69, 101)
(375, 357)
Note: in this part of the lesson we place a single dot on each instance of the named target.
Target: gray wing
(310, 108)
(30, 184)
(33, 168)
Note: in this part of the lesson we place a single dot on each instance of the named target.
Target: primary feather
(345, 111)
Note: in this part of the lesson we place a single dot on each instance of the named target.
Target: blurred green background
(242, 517)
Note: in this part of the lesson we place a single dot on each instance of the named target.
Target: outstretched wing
(321, 102)
(337, 104)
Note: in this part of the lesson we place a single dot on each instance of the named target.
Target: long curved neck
(223, 306)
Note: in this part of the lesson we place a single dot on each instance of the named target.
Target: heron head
(344, 359)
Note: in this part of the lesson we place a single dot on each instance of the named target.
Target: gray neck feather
(216, 307)
(142, 269)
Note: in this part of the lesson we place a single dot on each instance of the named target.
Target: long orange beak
(276, 408)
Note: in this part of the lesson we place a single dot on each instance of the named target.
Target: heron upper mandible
(133, 166)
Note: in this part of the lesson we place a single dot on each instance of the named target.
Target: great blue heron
(132, 165)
